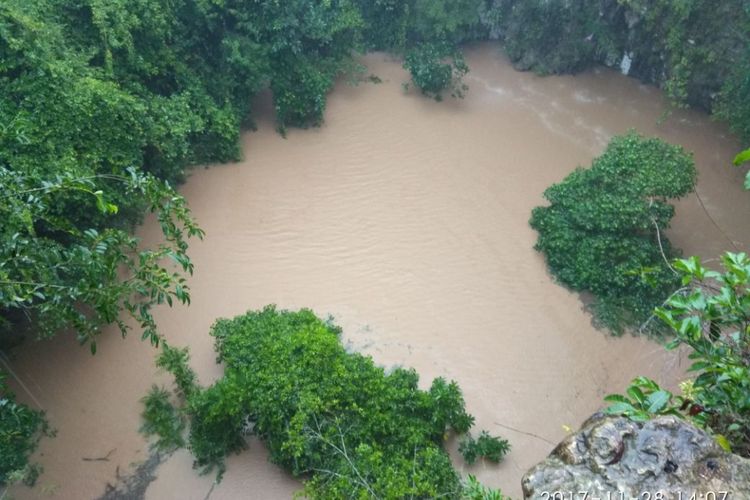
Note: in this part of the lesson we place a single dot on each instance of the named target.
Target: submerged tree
(435, 69)
(603, 230)
(348, 426)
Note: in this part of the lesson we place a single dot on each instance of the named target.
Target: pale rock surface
(616, 458)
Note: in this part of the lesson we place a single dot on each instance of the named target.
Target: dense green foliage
(397, 25)
(551, 36)
(710, 314)
(435, 69)
(160, 418)
(712, 317)
(602, 232)
(645, 399)
(348, 426)
(20, 431)
(485, 446)
(64, 276)
(427, 32)
(104, 104)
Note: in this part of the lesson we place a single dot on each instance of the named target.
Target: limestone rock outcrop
(617, 459)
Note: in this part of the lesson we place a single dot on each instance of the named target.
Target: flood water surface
(407, 221)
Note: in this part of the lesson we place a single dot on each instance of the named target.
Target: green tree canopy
(348, 426)
(603, 230)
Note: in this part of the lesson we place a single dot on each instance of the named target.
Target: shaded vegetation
(435, 69)
(428, 34)
(21, 428)
(696, 51)
(350, 428)
(160, 418)
(603, 230)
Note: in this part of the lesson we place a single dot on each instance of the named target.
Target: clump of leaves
(492, 448)
(644, 400)
(217, 423)
(335, 417)
(712, 316)
(175, 361)
(86, 278)
(21, 428)
(603, 230)
(163, 420)
(436, 68)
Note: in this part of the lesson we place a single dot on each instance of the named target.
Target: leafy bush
(66, 277)
(20, 431)
(331, 416)
(644, 400)
(436, 69)
(603, 230)
(711, 316)
(217, 425)
(492, 448)
(299, 95)
(175, 361)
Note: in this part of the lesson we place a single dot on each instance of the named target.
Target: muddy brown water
(407, 221)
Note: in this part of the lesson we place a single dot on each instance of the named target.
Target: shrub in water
(348, 426)
(603, 230)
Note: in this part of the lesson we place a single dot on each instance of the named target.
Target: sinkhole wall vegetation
(344, 424)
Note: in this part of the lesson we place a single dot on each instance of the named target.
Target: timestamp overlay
(644, 495)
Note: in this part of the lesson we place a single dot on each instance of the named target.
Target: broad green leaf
(635, 393)
(620, 408)
(657, 401)
(616, 398)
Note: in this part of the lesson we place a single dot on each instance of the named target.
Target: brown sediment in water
(407, 220)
